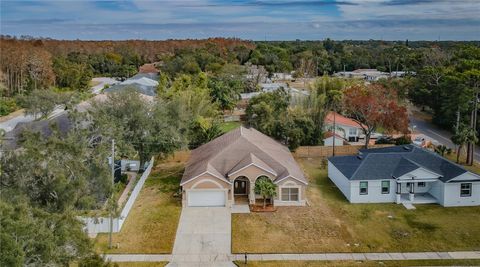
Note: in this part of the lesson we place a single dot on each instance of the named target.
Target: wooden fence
(327, 151)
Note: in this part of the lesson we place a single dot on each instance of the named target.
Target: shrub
(7, 105)
(403, 140)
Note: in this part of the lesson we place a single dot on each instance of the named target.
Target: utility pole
(473, 124)
(334, 132)
(111, 197)
(457, 125)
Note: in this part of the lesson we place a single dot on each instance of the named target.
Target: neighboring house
(144, 83)
(403, 174)
(224, 171)
(345, 127)
(366, 74)
(282, 76)
(148, 68)
(60, 121)
(328, 139)
(272, 87)
(44, 128)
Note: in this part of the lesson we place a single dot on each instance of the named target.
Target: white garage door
(206, 198)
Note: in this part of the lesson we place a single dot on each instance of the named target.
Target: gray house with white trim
(403, 174)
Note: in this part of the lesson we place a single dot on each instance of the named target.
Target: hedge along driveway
(332, 224)
(153, 221)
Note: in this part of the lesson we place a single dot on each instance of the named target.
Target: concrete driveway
(203, 238)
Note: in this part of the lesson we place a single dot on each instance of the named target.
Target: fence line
(94, 225)
(327, 151)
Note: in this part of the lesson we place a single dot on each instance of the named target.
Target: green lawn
(228, 126)
(152, 223)
(359, 263)
(331, 224)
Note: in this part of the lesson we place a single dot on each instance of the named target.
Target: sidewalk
(457, 255)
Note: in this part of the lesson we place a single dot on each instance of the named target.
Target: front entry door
(240, 187)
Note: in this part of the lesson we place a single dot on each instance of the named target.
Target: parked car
(419, 141)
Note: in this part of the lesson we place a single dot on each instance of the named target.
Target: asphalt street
(442, 136)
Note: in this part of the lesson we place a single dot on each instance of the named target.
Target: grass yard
(152, 223)
(331, 224)
(359, 263)
(228, 126)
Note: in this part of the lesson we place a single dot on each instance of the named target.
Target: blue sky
(255, 19)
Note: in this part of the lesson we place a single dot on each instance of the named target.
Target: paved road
(435, 133)
(203, 238)
(10, 124)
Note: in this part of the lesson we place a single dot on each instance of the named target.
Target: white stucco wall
(452, 196)
(339, 180)
(329, 141)
(436, 190)
(374, 192)
(345, 132)
(419, 174)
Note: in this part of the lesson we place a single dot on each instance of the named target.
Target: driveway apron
(203, 237)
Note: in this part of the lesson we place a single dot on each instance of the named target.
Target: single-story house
(223, 172)
(349, 129)
(144, 83)
(366, 74)
(272, 87)
(403, 174)
(282, 76)
(329, 138)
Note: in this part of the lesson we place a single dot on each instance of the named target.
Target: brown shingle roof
(237, 149)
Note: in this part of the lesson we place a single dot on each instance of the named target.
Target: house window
(466, 190)
(352, 131)
(385, 187)
(363, 188)
(421, 184)
(290, 194)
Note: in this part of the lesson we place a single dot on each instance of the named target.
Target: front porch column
(398, 192)
(251, 195)
(232, 195)
(412, 192)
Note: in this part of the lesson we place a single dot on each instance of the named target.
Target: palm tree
(266, 188)
(463, 136)
(442, 150)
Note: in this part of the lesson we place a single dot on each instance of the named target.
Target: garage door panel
(206, 198)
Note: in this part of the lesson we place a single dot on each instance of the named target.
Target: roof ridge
(266, 153)
(441, 158)
(359, 166)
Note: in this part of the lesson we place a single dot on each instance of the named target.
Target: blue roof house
(403, 174)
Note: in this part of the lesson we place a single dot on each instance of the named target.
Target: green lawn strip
(228, 126)
(152, 223)
(359, 263)
(332, 224)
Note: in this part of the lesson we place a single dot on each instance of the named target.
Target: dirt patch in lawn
(152, 224)
(331, 224)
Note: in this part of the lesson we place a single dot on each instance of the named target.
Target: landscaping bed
(152, 223)
(260, 208)
(332, 224)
